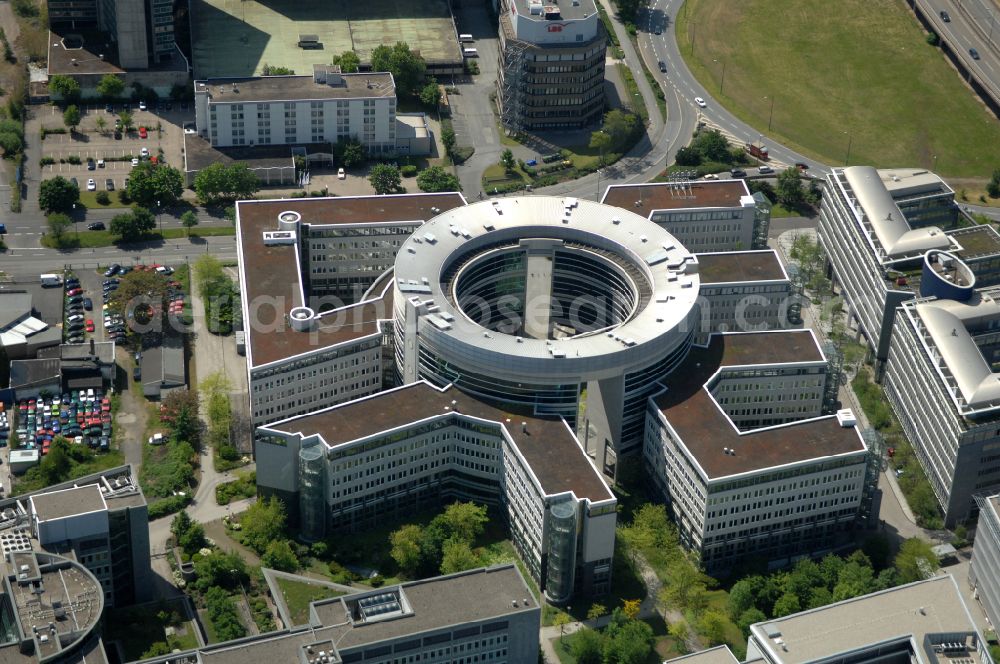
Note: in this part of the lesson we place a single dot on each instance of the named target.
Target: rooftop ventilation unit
(272, 238)
(846, 418)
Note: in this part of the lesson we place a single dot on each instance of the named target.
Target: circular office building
(549, 306)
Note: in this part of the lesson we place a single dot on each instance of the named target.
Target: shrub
(73, 159)
(408, 171)
(46, 161)
(170, 505)
(103, 197)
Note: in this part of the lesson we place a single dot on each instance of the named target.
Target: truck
(757, 149)
(49, 280)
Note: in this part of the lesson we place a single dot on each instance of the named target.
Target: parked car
(100, 163)
(143, 133)
(738, 173)
(96, 226)
(112, 270)
(137, 373)
(88, 304)
(89, 325)
(341, 174)
(764, 170)
(110, 184)
(157, 439)
(135, 161)
(91, 165)
(91, 185)
(144, 152)
(142, 106)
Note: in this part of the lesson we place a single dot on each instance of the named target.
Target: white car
(91, 185)
(711, 176)
(142, 106)
(156, 439)
(135, 161)
(700, 102)
(144, 152)
(100, 163)
(341, 175)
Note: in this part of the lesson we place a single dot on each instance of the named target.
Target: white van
(465, 37)
(50, 280)
(470, 52)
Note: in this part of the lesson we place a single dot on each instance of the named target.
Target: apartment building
(99, 521)
(925, 622)
(406, 449)
(326, 107)
(745, 291)
(309, 343)
(705, 216)
(480, 615)
(142, 31)
(551, 67)
(739, 447)
(874, 252)
(941, 383)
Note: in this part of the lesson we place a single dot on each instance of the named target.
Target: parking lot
(163, 130)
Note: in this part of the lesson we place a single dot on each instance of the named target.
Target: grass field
(92, 239)
(299, 595)
(854, 74)
(237, 37)
(137, 628)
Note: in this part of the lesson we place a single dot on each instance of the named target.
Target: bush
(408, 171)
(46, 161)
(170, 505)
(73, 159)
(103, 197)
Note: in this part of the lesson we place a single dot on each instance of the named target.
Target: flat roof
(199, 153)
(439, 602)
(716, 655)
(976, 241)
(739, 266)
(67, 502)
(291, 88)
(933, 606)
(547, 444)
(270, 273)
(568, 11)
(704, 428)
(645, 198)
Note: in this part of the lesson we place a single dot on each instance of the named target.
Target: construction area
(238, 37)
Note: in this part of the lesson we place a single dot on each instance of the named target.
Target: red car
(142, 132)
(74, 291)
(89, 325)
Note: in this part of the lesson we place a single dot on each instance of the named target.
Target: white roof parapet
(886, 219)
(945, 321)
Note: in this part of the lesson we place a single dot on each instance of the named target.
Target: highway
(972, 24)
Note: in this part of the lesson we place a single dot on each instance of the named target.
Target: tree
(436, 178)
(561, 620)
(57, 194)
(149, 288)
(149, 183)
(189, 220)
(274, 70)
(131, 226)
(219, 182)
(712, 146)
(110, 86)
(193, 539)
(55, 465)
(507, 160)
(58, 224)
(749, 617)
(406, 550)
(384, 178)
(596, 611)
(457, 556)
(430, 94)
(71, 117)
(463, 521)
(226, 570)
(712, 625)
(993, 186)
(407, 68)
(353, 154)
(126, 120)
(586, 646)
(915, 561)
(628, 643)
(279, 556)
(349, 62)
(786, 605)
(680, 633)
(619, 125)
(101, 124)
(184, 405)
(688, 156)
(156, 650)
(263, 522)
(11, 143)
(789, 189)
(628, 10)
(630, 608)
(600, 140)
(64, 86)
(448, 139)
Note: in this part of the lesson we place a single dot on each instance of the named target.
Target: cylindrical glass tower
(561, 550)
(312, 497)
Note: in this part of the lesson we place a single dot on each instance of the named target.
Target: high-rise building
(142, 31)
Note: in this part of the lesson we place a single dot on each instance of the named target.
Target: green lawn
(854, 74)
(91, 239)
(298, 596)
(89, 200)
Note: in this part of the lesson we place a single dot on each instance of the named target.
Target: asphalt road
(973, 24)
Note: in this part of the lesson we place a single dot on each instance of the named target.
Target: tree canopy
(385, 178)
(219, 182)
(436, 178)
(444, 546)
(131, 226)
(58, 224)
(110, 86)
(349, 62)
(407, 68)
(149, 184)
(57, 194)
(279, 556)
(262, 523)
(71, 117)
(64, 86)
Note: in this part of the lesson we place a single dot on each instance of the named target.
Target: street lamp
(76, 229)
(771, 114)
(598, 185)
(159, 219)
(934, 164)
(850, 137)
(722, 83)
